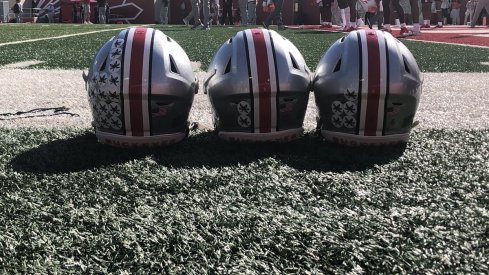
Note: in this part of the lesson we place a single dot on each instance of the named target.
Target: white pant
(455, 15)
(243, 11)
(478, 9)
(101, 15)
(252, 13)
(164, 15)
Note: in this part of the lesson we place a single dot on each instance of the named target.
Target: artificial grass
(71, 205)
(20, 32)
(77, 52)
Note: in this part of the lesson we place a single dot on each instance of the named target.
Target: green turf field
(71, 205)
(76, 52)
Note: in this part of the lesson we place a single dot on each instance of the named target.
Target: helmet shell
(141, 87)
(258, 85)
(367, 88)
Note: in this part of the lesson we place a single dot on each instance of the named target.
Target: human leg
(101, 15)
(206, 11)
(252, 13)
(426, 10)
(275, 14)
(415, 15)
(196, 14)
(243, 9)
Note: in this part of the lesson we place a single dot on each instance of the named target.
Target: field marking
(61, 36)
(20, 65)
(448, 43)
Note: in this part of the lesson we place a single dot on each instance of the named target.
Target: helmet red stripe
(373, 95)
(265, 90)
(136, 82)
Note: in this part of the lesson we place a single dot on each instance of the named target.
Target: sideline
(446, 43)
(62, 36)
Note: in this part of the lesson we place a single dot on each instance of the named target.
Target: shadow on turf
(203, 149)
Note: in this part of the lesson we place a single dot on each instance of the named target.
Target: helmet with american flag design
(141, 87)
(367, 88)
(258, 85)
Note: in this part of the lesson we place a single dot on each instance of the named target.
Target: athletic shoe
(205, 28)
(439, 26)
(185, 21)
(405, 32)
(197, 26)
(326, 26)
(425, 26)
(350, 29)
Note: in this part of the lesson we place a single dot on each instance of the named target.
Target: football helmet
(258, 85)
(141, 87)
(367, 88)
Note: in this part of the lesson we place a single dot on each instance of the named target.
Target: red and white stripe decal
(374, 83)
(136, 81)
(263, 80)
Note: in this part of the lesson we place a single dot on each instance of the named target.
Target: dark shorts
(327, 3)
(343, 4)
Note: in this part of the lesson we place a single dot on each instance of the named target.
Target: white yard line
(60, 37)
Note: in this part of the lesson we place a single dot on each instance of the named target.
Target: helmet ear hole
(294, 62)
(173, 66)
(406, 67)
(103, 64)
(337, 67)
(228, 67)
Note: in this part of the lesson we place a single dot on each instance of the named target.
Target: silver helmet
(367, 88)
(141, 87)
(258, 85)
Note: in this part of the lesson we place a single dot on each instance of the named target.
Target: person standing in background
(86, 11)
(195, 15)
(275, 14)
(400, 12)
(18, 11)
(416, 30)
(445, 11)
(206, 10)
(227, 12)
(164, 12)
(455, 12)
(101, 5)
(470, 6)
(325, 11)
(251, 12)
(50, 10)
(214, 15)
(481, 4)
(243, 11)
